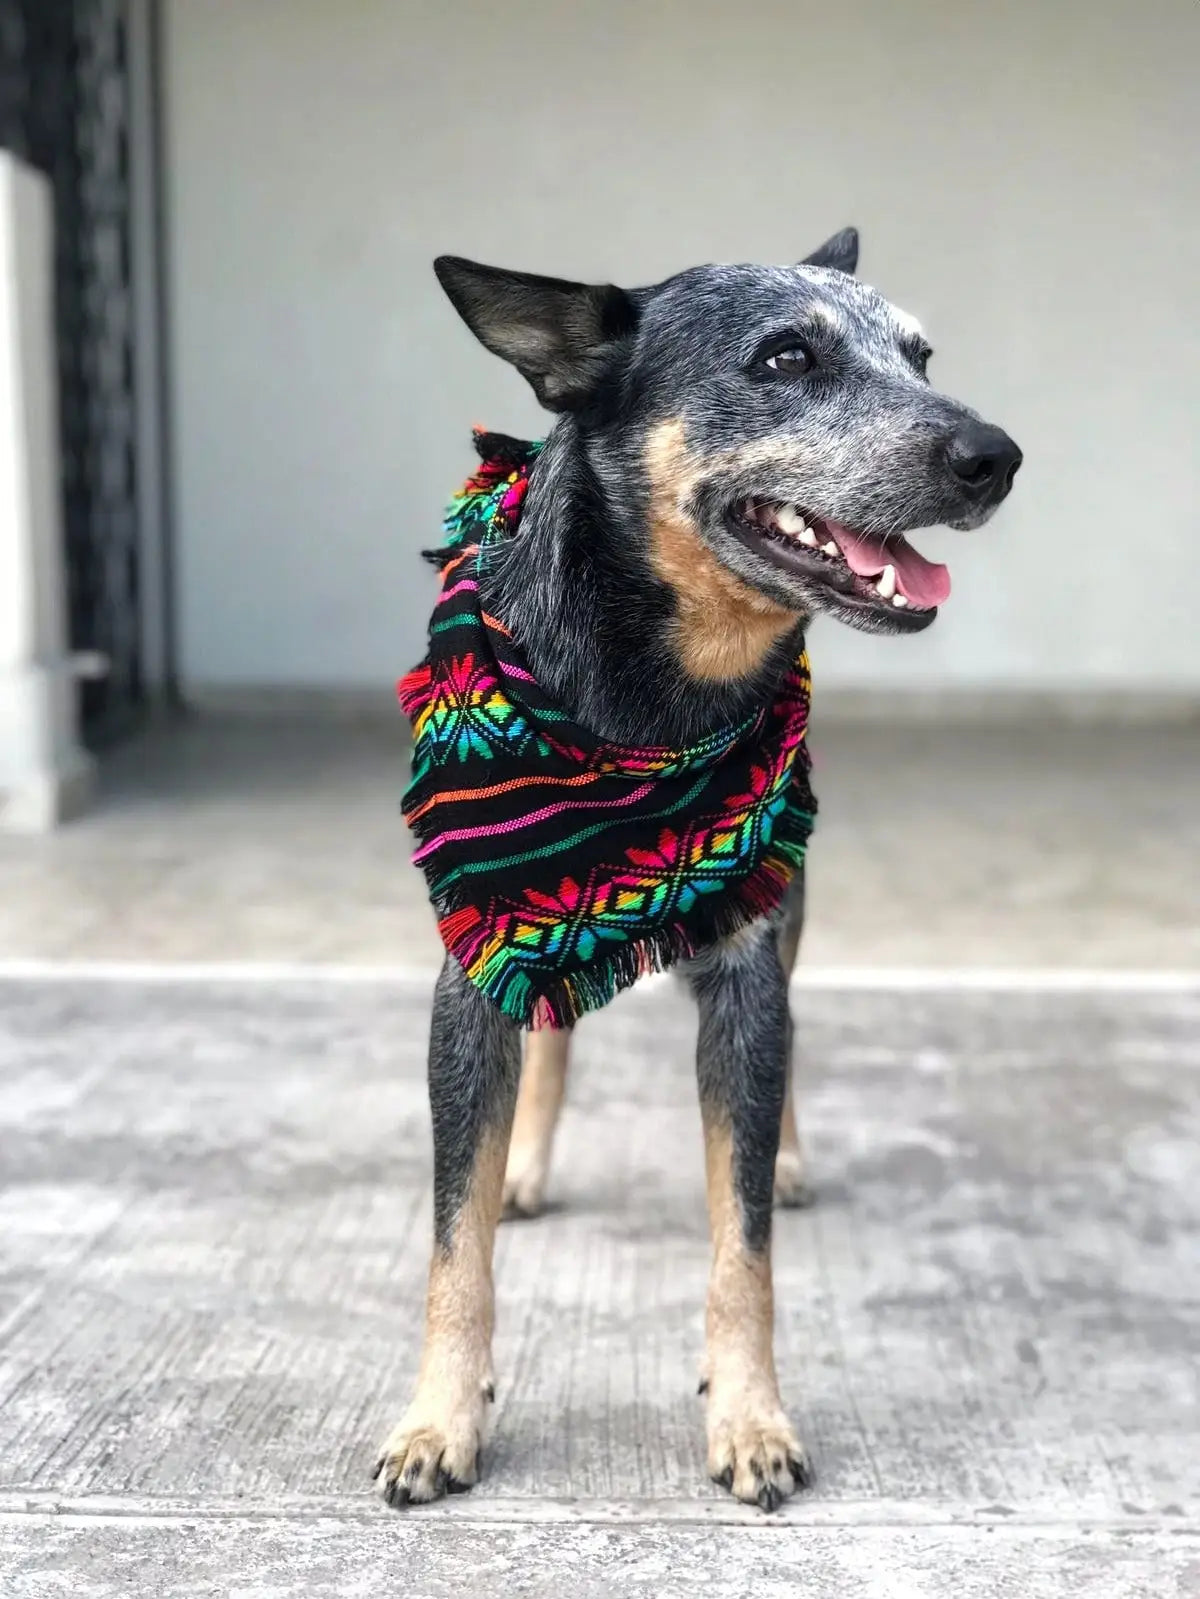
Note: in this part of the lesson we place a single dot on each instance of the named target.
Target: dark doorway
(64, 107)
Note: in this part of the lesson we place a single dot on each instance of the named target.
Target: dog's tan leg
(791, 1187)
(472, 1083)
(752, 1449)
(539, 1100)
(435, 1448)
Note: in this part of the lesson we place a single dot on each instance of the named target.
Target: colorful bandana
(562, 867)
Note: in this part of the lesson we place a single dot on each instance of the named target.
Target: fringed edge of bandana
(490, 500)
(562, 1001)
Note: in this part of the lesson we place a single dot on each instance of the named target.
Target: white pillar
(44, 775)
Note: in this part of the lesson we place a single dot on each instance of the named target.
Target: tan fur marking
(751, 1443)
(741, 1307)
(789, 945)
(791, 1188)
(790, 1185)
(442, 1431)
(539, 1101)
(459, 1310)
(724, 628)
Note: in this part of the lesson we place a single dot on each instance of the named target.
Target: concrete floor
(1011, 846)
(214, 1218)
(214, 1202)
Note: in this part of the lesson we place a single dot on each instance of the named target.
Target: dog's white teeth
(789, 520)
(809, 537)
(830, 548)
(898, 600)
(887, 582)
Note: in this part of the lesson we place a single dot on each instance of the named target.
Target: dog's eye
(791, 363)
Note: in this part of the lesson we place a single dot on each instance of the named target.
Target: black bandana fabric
(562, 867)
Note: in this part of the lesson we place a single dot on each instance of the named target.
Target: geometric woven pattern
(563, 866)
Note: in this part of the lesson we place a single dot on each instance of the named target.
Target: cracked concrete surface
(214, 1219)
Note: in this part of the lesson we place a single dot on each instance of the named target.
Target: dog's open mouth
(880, 570)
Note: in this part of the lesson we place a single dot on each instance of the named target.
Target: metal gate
(64, 107)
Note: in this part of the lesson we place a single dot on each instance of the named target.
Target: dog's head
(783, 413)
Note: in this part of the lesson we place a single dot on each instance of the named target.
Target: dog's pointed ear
(840, 252)
(559, 335)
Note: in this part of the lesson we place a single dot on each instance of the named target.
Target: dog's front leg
(742, 1065)
(474, 1065)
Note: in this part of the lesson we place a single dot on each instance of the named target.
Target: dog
(738, 449)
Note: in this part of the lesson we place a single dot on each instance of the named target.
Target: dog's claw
(769, 1497)
(801, 1469)
(395, 1494)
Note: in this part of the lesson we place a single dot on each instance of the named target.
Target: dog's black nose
(983, 458)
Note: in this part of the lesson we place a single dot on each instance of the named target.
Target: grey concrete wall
(1024, 176)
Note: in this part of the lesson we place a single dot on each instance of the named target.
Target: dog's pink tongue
(924, 583)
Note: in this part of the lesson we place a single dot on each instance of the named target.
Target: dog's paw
(759, 1460)
(792, 1190)
(524, 1183)
(434, 1451)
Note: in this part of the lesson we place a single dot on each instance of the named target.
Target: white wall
(44, 777)
(1025, 177)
